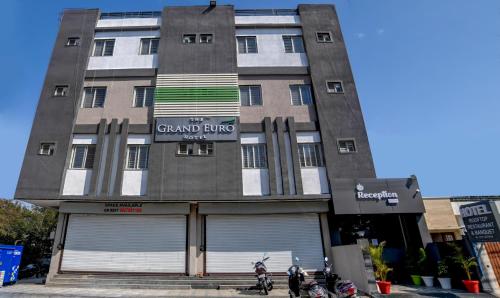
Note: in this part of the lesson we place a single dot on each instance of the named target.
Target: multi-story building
(194, 139)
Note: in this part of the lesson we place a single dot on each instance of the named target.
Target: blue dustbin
(10, 258)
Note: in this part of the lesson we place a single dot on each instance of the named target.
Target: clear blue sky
(427, 73)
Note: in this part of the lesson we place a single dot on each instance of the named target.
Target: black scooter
(298, 286)
(341, 288)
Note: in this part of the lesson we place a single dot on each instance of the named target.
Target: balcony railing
(129, 15)
(265, 12)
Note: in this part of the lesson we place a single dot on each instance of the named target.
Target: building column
(424, 231)
(325, 235)
(57, 247)
(488, 278)
(192, 243)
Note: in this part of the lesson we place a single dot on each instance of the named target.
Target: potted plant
(471, 285)
(443, 277)
(424, 268)
(414, 265)
(381, 268)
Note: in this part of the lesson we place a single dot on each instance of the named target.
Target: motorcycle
(265, 282)
(297, 285)
(341, 288)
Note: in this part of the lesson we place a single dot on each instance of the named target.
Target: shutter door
(234, 241)
(125, 243)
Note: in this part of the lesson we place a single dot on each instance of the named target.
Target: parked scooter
(341, 288)
(297, 287)
(264, 278)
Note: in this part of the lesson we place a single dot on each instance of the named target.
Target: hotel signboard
(174, 129)
(481, 221)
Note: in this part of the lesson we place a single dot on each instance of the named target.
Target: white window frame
(190, 35)
(322, 40)
(106, 44)
(301, 95)
(253, 161)
(250, 101)
(306, 161)
(143, 100)
(207, 40)
(209, 151)
(150, 41)
(65, 89)
(342, 150)
(246, 37)
(73, 41)
(84, 161)
(294, 50)
(189, 147)
(94, 89)
(334, 90)
(136, 163)
(47, 151)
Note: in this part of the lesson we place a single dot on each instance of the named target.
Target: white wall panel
(134, 182)
(242, 20)
(77, 182)
(129, 22)
(314, 181)
(271, 50)
(84, 139)
(255, 182)
(126, 51)
(253, 138)
(138, 139)
(308, 137)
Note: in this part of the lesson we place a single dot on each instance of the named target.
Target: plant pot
(384, 287)
(428, 280)
(445, 282)
(416, 280)
(472, 286)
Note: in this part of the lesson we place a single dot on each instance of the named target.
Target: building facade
(195, 139)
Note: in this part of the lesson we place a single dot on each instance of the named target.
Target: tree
(30, 227)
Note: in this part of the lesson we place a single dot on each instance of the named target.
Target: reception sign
(481, 221)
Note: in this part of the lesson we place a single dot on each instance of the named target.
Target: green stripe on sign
(210, 94)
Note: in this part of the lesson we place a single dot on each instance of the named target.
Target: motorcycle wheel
(264, 287)
(270, 285)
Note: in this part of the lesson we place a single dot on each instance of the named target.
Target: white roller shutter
(125, 243)
(234, 241)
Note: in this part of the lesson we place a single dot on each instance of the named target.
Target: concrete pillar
(192, 243)
(57, 247)
(199, 239)
(325, 230)
(424, 231)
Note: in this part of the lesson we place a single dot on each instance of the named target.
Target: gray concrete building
(194, 139)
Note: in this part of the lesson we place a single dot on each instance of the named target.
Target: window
(61, 90)
(247, 44)
(254, 156)
(334, 87)
(346, 146)
(301, 95)
(144, 97)
(324, 37)
(104, 47)
(310, 155)
(293, 44)
(189, 38)
(47, 149)
(250, 95)
(185, 149)
(137, 157)
(73, 42)
(149, 46)
(206, 149)
(82, 157)
(93, 97)
(206, 38)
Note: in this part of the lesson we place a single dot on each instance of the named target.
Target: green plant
(381, 268)
(421, 261)
(442, 268)
(466, 264)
